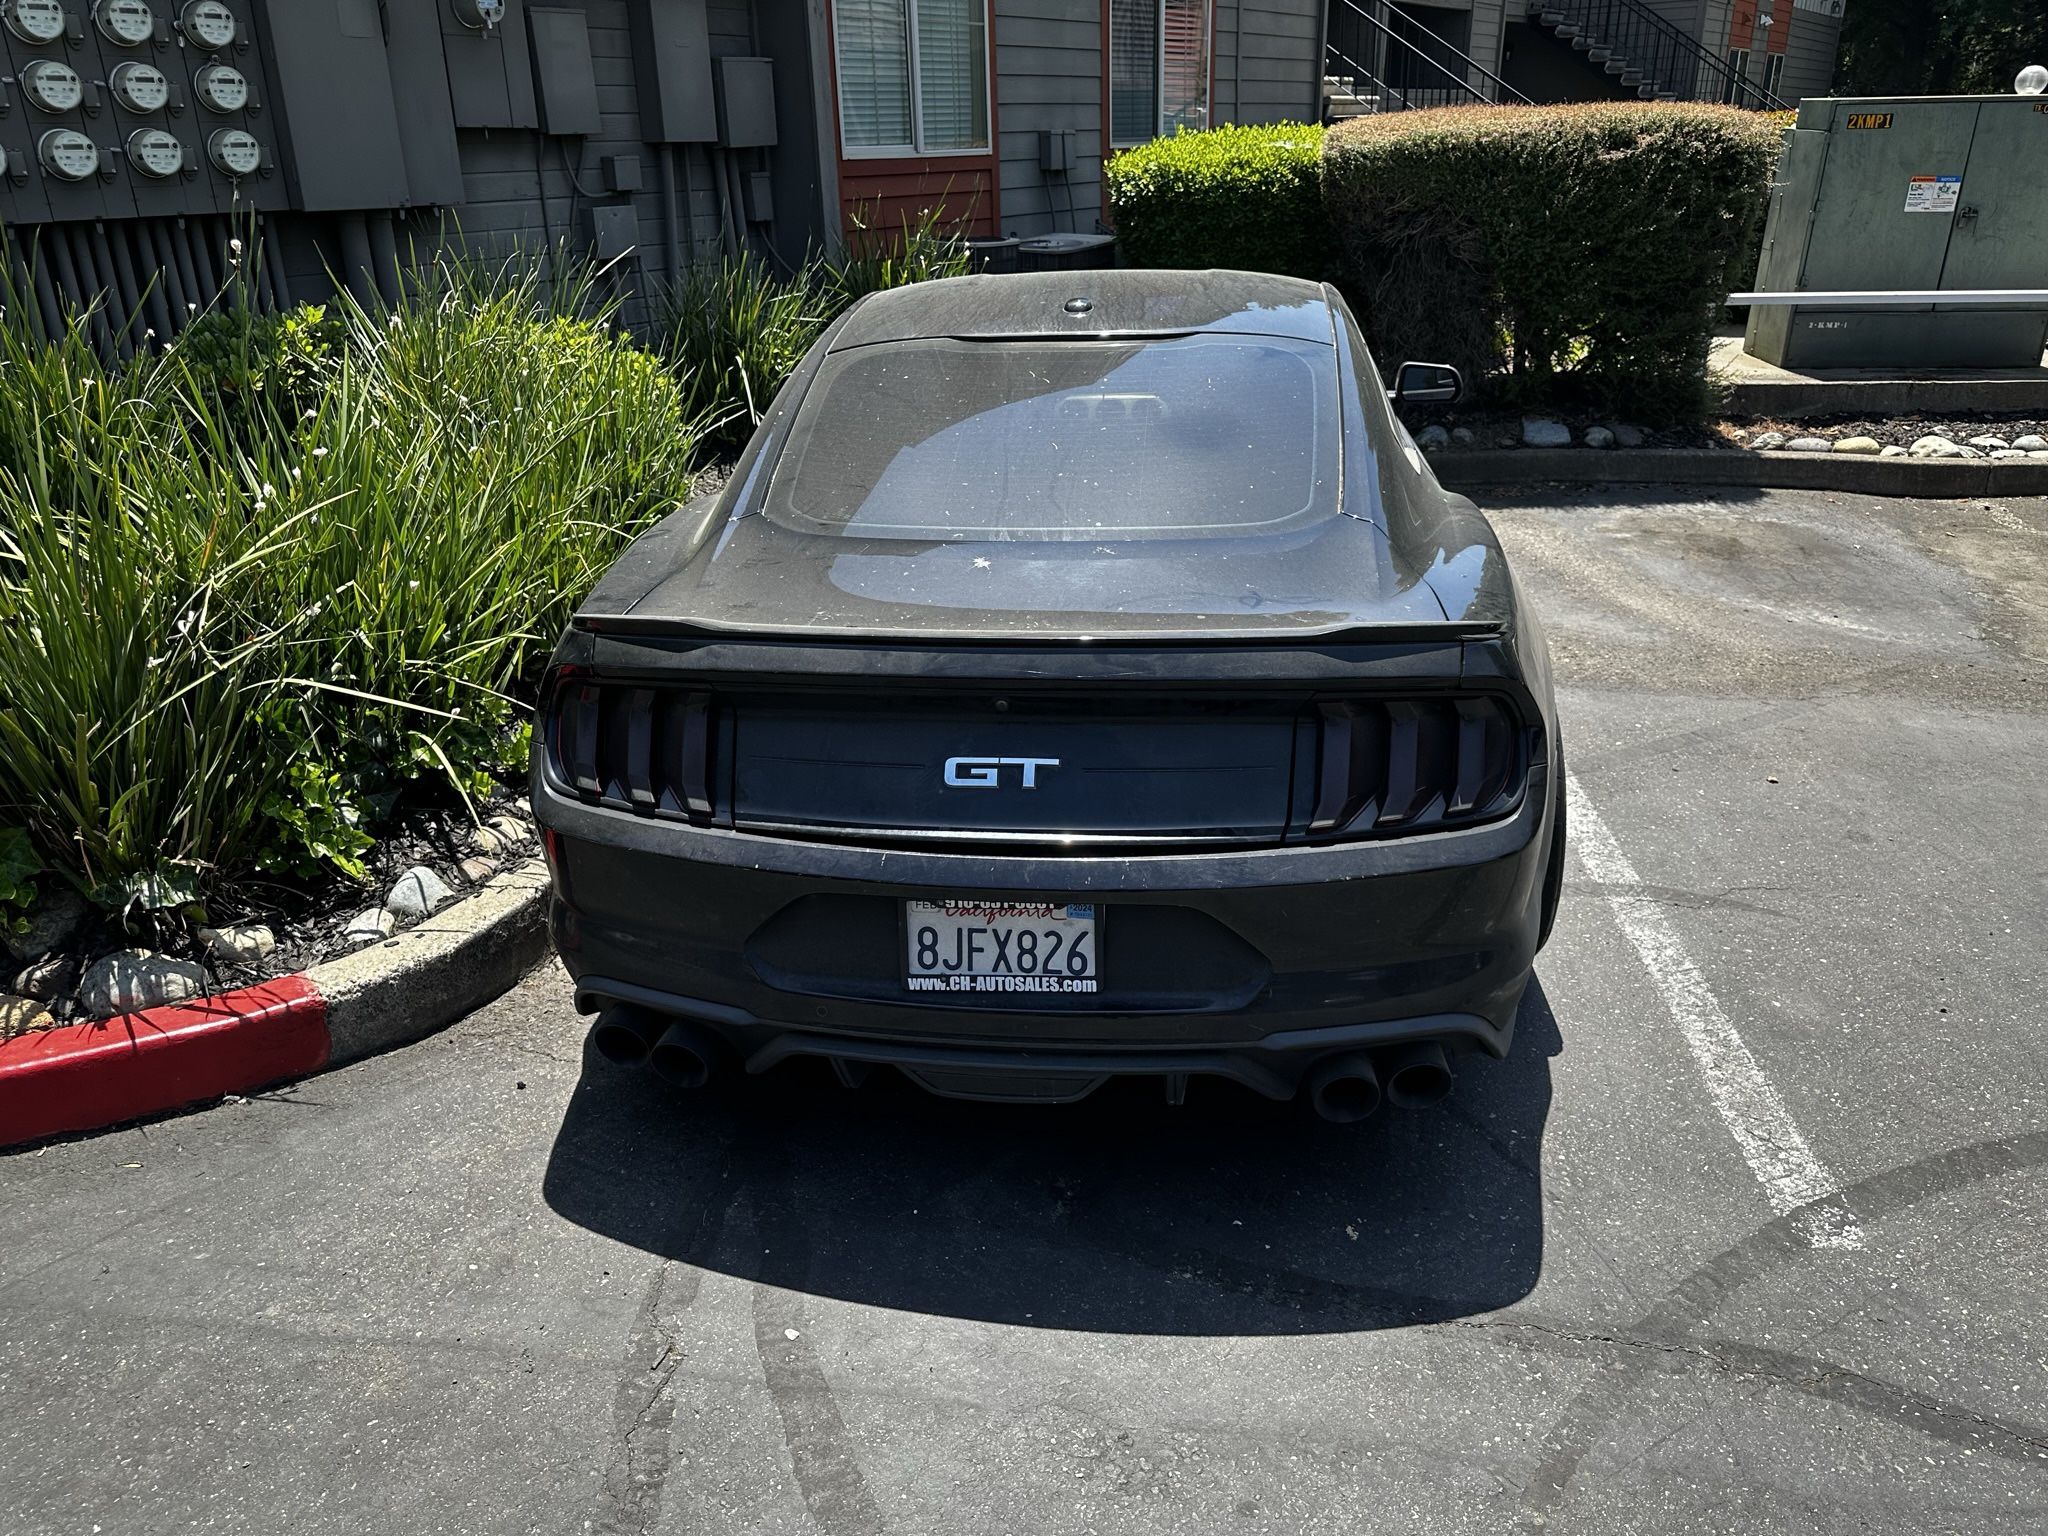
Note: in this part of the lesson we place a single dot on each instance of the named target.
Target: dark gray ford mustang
(1081, 674)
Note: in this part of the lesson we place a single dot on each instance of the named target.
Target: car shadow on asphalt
(1228, 1215)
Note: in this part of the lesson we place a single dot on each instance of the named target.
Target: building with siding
(1386, 55)
(350, 137)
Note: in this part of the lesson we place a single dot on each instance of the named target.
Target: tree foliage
(1939, 47)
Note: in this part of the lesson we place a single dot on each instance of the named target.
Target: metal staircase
(1369, 67)
(1645, 53)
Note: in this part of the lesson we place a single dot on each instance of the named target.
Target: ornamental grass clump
(1564, 255)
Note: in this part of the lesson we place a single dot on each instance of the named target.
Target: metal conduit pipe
(46, 291)
(97, 265)
(85, 285)
(149, 270)
(357, 264)
(196, 296)
(384, 242)
(176, 295)
(273, 263)
(671, 242)
(63, 272)
(115, 245)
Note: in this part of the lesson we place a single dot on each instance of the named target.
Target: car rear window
(1058, 440)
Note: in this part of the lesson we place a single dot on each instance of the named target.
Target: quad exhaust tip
(625, 1035)
(1349, 1088)
(1418, 1075)
(1344, 1089)
(679, 1052)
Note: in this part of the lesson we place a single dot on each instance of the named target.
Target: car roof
(1118, 303)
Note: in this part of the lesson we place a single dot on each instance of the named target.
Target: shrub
(1248, 198)
(240, 357)
(1583, 248)
(734, 332)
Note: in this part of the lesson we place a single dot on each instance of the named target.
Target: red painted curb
(80, 1077)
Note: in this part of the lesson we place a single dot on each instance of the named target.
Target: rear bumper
(1249, 965)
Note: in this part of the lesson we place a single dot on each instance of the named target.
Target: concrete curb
(1872, 476)
(82, 1077)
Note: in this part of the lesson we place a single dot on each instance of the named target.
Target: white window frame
(1738, 69)
(1774, 73)
(1159, 74)
(913, 151)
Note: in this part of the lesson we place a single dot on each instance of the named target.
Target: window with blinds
(913, 75)
(1158, 68)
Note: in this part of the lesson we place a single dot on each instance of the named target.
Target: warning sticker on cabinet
(1933, 194)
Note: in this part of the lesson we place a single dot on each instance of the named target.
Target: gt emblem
(987, 772)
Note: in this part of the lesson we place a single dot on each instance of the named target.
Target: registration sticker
(968, 945)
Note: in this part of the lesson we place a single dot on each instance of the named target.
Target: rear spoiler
(1405, 632)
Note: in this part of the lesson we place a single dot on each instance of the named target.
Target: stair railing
(1354, 30)
(1669, 58)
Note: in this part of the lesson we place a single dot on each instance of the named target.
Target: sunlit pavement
(1748, 1234)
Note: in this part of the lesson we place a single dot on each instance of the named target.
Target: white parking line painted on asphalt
(1792, 1176)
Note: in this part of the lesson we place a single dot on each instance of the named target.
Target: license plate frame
(1076, 924)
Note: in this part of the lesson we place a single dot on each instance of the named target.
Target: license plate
(999, 946)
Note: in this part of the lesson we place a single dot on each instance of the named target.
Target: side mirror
(1427, 384)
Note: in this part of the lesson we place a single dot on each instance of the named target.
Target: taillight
(1407, 765)
(644, 748)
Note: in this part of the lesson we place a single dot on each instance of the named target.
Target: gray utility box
(1907, 193)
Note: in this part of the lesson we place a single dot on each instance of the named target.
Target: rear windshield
(1056, 440)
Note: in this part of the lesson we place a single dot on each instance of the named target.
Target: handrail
(1671, 36)
(1463, 82)
(1332, 51)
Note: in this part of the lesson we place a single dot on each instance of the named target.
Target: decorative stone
(54, 921)
(130, 980)
(1808, 445)
(1858, 445)
(2008, 453)
(475, 871)
(19, 1015)
(1464, 437)
(1768, 440)
(1628, 436)
(368, 927)
(2037, 453)
(1935, 446)
(2032, 442)
(1989, 441)
(418, 892)
(1542, 432)
(485, 840)
(244, 944)
(515, 833)
(1432, 438)
(1891, 451)
(47, 979)
(1598, 437)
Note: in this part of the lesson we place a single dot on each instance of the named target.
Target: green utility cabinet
(1907, 193)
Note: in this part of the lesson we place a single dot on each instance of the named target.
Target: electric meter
(235, 152)
(221, 88)
(140, 87)
(39, 21)
(69, 155)
(154, 152)
(51, 85)
(127, 22)
(480, 13)
(209, 23)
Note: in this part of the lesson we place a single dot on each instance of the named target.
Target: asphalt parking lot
(1749, 1233)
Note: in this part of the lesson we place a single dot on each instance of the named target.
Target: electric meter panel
(140, 87)
(52, 85)
(130, 23)
(235, 151)
(221, 88)
(69, 155)
(208, 24)
(481, 14)
(156, 152)
(35, 21)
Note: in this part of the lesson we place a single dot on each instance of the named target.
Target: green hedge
(1248, 198)
(1577, 253)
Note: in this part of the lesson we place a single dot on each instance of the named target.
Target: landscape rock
(517, 834)
(1465, 437)
(47, 979)
(1809, 445)
(1628, 436)
(1508, 440)
(418, 892)
(2032, 442)
(1989, 441)
(1542, 432)
(2037, 453)
(486, 840)
(1935, 446)
(1598, 437)
(243, 944)
(1892, 451)
(368, 927)
(19, 1015)
(475, 871)
(2008, 453)
(1858, 445)
(1431, 438)
(1768, 440)
(130, 980)
(52, 923)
